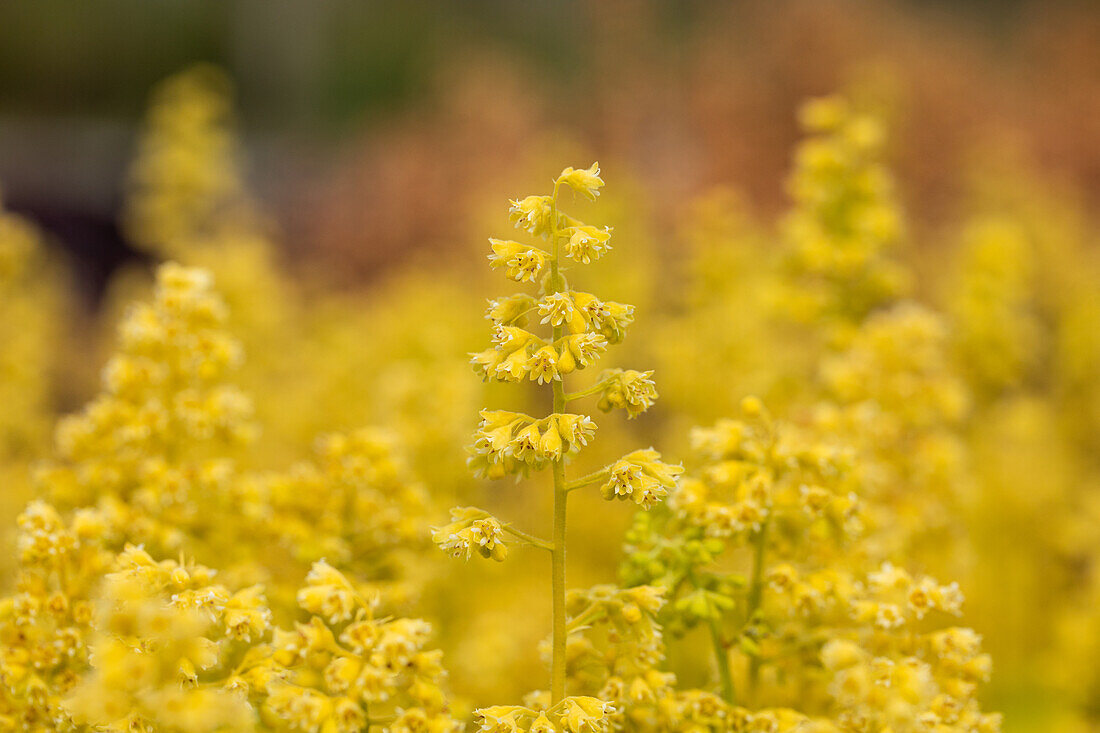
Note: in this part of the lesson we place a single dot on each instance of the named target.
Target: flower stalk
(578, 328)
(561, 497)
(722, 659)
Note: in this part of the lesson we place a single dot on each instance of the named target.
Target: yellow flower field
(785, 473)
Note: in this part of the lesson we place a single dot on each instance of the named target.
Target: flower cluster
(185, 184)
(346, 669)
(355, 502)
(789, 496)
(159, 453)
(165, 396)
(571, 715)
(640, 476)
(27, 333)
(628, 390)
(615, 648)
(125, 642)
(845, 218)
(513, 443)
(519, 354)
(894, 397)
(892, 598)
(171, 646)
(471, 530)
(1000, 334)
(785, 539)
(933, 687)
(156, 660)
(46, 622)
(755, 467)
(583, 325)
(898, 361)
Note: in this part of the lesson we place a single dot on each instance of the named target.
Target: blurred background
(375, 146)
(360, 118)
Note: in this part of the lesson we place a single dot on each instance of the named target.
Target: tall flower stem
(561, 497)
(722, 659)
(756, 592)
(557, 572)
(721, 653)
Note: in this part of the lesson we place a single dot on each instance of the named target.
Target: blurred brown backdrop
(369, 126)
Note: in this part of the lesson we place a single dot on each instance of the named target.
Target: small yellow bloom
(542, 367)
(642, 477)
(586, 243)
(585, 181)
(586, 715)
(532, 214)
(627, 389)
(524, 263)
(500, 718)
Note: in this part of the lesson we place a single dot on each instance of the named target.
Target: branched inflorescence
(100, 634)
(576, 329)
(845, 219)
(813, 619)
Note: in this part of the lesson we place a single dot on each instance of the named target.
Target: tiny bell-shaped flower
(585, 181)
(630, 390)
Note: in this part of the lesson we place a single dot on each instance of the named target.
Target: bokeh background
(376, 142)
(359, 118)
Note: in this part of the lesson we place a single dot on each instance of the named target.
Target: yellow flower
(542, 724)
(579, 351)
(531, 214)
(641, 476)
(586, 715)
(328, 593)
(550, 444)
(542, 367)
(511, 310)
(557, 309)
(246, 614)
(575, 430)
(627, 389)
(587, 243)
(489, 538)
(500, 718)
(523, 263)
(471, 530)
(585, 181)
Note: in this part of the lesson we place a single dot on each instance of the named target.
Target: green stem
(528, 538)
(722, 657)
(587, 480)
(561, 496)
(589, 615)
(594, 389)
(557, 572)
(756, 588)
(756, 591)
(721, 653)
